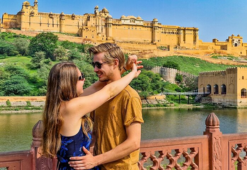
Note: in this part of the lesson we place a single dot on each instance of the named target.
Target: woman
(66, 128)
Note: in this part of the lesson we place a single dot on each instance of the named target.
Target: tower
(108, 27)
(155, 30)
(36, 5)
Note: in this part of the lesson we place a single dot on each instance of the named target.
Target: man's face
(106, 70)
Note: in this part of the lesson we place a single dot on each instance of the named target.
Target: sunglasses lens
(97, 64)
(82, 77)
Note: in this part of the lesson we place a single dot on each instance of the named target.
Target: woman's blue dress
(72, 146)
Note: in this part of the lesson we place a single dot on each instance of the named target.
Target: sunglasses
(81, 77)
(97, 64)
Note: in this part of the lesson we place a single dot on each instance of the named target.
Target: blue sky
(214, 18)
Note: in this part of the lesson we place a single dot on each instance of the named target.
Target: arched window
(209, 89)
(243, 93)
(216, 89)
(223, 89)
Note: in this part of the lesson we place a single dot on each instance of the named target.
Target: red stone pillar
(215, 141)
(40, 162)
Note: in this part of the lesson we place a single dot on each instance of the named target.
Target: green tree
(46, 42)
(60, 53)
(21, 45)
(74, 55)
(15, 70)
(37, 59)
(171, 64)
(16, 85)
(7, 48)
(179, 78)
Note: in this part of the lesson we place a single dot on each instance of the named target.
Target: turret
(96, 10)
(36, 4)
(108, 27)
(155, 29)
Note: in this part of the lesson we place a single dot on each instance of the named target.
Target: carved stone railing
(211, 151)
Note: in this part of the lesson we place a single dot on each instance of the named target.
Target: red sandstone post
(215, 141)
(38, 161)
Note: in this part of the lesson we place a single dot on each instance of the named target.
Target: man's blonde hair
(111, 52)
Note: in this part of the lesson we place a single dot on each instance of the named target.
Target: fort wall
(169, 74)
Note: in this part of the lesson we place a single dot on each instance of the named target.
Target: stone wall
(169, 74)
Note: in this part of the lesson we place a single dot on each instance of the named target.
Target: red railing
(211, 151)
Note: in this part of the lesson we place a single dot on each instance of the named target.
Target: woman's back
(72, 146)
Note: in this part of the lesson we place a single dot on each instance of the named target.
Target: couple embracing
(115, 112)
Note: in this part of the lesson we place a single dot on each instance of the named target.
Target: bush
(179, 78)
(37, 59)
(8, 49)
(29, 104)
(60, 53)
(46, 42)
(16, 85)
(21, 45)
(171, 64)
(8, 103)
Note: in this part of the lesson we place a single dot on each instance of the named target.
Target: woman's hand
(132, 59)
(135, 71)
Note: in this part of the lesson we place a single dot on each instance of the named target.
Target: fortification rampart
(169, 74)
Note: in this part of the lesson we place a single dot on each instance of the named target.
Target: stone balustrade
(210, 151)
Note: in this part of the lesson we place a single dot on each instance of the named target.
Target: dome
(97, 7)
(37, 129)
(129, 17)
(26, 3)
(62, 13)
(139, 18)
(123, 17)
(212, 120)
(104, 10)
(155, 19)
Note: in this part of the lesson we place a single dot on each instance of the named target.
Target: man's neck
(114, 77)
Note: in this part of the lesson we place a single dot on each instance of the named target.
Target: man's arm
(99, 85)
(131, 144)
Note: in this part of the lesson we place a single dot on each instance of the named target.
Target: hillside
(187, 64)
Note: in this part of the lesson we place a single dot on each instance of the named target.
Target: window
(242, 77)
(223, 89)
(243, 93)
(209, 89)
(216, 89)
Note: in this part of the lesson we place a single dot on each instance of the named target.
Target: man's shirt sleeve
(133, 111)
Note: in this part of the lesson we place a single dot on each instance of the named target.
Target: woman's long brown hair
(61, 87)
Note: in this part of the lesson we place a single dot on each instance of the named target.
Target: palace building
(129, 31)
(227, 87)
(100, 26)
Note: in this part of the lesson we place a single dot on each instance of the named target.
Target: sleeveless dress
(72, 146)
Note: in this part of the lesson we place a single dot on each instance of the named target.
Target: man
(117, 123)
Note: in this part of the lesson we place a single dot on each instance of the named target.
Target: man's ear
(116, 63)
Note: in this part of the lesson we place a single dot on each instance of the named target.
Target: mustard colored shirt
(110, 121)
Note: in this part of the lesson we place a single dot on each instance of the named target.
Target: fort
(130, 32)
(225, 87)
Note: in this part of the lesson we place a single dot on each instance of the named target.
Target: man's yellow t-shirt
(110, 121)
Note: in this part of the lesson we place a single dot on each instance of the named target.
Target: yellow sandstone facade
(227, 87)
(129, 32)
(100, 26)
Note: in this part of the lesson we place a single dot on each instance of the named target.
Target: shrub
(60, 53)
(29, 104)
(8, 103)
(179, 78)
(21, 45)
(7, 49)
(46, 42)
(171, 64)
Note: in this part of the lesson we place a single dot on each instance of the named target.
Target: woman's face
(80, 82)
